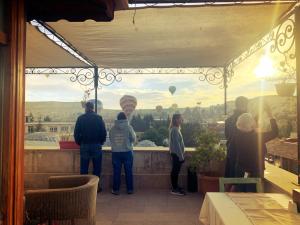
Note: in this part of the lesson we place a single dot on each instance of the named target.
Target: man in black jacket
(90, 134)
(241, 104)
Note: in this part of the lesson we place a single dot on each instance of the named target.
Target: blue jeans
(119, 159)
(90, 152)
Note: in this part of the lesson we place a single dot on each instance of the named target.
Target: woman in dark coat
(250, 145)
(241, 104)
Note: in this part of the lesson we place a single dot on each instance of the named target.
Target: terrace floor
(150, 207)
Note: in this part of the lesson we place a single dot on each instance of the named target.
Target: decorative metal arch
(84, 76)
(212, 75)
(281, 40)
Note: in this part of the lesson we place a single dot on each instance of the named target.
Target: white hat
(245, 122)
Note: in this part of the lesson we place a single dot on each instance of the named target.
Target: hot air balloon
(128, 104)
(174, 106)
(159, 108)
(172, 89)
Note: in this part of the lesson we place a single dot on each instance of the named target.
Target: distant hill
(284, 108)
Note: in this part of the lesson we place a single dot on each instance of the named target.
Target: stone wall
(151, 167)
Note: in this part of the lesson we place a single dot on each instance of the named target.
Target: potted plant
(67, 142)
(286, 87)
(208, 160)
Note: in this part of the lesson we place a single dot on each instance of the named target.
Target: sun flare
(265, 68)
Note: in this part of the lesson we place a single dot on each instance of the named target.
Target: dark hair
(175, 117)
(121, 116)
(89, 106)
(241, 102)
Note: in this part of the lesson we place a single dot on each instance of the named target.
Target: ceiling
(159, 37)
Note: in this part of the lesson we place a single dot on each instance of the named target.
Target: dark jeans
(90, 152)
(119, 159)
(176, 165)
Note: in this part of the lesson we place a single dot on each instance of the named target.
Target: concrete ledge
(279, 180)
(151, 167)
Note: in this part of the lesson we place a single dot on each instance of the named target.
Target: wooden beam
(204, 1)
(12, 115)
(3, 38)
(297, 53)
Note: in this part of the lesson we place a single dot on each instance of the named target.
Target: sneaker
(115, 192)
(177, 192)
(130, 192)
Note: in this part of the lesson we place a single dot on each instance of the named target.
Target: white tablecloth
(219, 209)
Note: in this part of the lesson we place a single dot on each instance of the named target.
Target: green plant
(209, 150)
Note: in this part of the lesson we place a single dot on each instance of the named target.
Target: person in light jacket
(177, 152)
(122, 137)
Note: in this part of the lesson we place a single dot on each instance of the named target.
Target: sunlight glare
(265, 68)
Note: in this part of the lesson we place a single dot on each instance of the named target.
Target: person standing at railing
(122, 137)
(250, 145)
(177, 152)
(90, 134)
(241, 104)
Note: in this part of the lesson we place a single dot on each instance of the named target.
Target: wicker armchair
(69, 200)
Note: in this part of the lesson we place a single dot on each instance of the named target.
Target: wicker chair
(69, 200)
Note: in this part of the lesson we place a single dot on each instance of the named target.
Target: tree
(152, 135)
(31, 118)
(47, 119)
(148, 119)
(190, 133)
(138, 123)
(156, 135)
(39, 127)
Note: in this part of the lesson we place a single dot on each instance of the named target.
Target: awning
(162, 37)
(41, 52)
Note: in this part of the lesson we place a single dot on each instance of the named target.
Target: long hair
(174, 119)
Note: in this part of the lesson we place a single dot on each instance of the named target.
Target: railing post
(96, 78)
(225, 73)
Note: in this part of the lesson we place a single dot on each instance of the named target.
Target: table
(247, 209)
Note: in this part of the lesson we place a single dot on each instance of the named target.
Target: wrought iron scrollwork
(214, 76)
(284, 39)
(281, 40)
(108, 76)
(254, 48)
(84, 76)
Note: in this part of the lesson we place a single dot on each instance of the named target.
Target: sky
(151, 90)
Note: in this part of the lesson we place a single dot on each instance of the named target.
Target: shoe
(180, 188)
(177, 191)
(115, 192)
(130, 192)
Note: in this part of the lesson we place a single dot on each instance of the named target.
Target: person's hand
(268, 110)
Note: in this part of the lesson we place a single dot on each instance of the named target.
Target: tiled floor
(156, 207)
